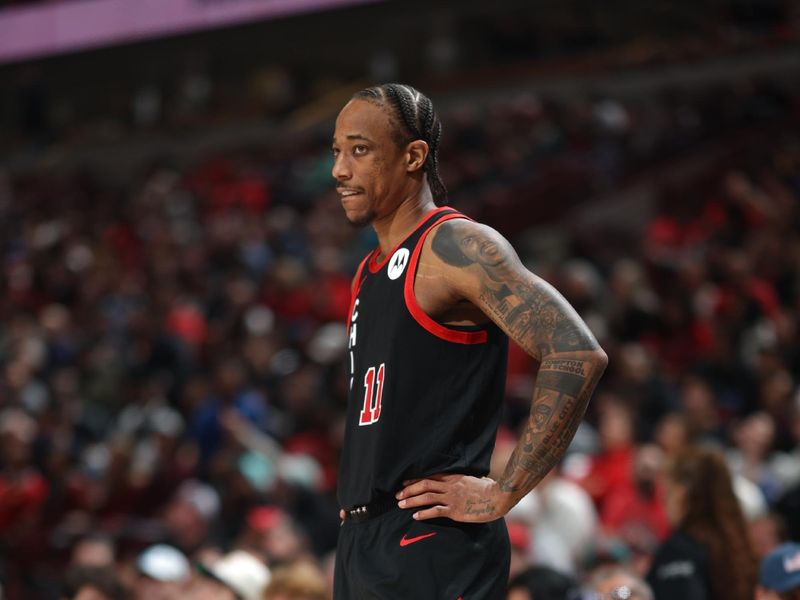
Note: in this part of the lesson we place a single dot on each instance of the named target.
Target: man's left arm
(480, 266)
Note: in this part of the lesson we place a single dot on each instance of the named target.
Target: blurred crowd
(228, 79)
(172, 380)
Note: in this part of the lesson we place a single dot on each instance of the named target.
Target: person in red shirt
(636, 512)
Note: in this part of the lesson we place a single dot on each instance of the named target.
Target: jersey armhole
(456, 336)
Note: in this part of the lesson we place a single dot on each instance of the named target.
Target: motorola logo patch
(398, 263)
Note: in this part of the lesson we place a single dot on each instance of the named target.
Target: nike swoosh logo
(408, 541)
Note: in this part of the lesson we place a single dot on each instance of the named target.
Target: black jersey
(424, 398)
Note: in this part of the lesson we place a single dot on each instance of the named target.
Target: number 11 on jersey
(371, 411)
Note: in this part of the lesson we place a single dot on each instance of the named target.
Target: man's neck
(395, 227)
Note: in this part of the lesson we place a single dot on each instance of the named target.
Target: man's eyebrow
(355, 136)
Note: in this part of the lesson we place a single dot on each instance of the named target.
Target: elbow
(599, 359)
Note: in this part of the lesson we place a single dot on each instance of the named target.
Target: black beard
(365, 220)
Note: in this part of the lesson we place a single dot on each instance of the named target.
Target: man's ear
(416, 155)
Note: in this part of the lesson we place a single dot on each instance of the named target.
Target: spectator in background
(520, 538)
(557, 518)
(22, 487)
(754, 438)
(779, 575)
(86, 583)
(562, 522)
(767, 532)
(236, 576)
(635, 512)
(299, 581)
(163, 574)
(231, 390)
(708, 555)
(94, 551)
(274, 536)
(542, 583)
(788, 466)
(612, 582)
(189, 516)
(787, 463)
(612, 467)
(672, 433)
(700, 410)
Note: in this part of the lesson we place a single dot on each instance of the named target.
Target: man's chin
(360, 220)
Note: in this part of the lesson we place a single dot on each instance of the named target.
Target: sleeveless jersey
(424, 398)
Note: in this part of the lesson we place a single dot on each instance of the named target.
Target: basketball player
(432, 306)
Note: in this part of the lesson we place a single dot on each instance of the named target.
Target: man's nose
(340, 171)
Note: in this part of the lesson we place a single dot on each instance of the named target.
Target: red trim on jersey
(375, 267)
(420, 316)
(355, 288)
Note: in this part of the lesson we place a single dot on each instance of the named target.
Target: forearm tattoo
(542, 322)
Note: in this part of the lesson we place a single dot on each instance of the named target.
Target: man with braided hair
(431, 310)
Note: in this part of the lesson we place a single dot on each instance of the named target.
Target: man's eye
(359, 149)
(335, 151)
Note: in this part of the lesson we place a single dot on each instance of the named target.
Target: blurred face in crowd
(205, 588)
(370, 168)
(282, 543)
(616, 426)
(672, 433)
(765, 534)
(150, 589)
(518, 593)
(89, 592)
(93, 553)
(185, 524)
(15, 449)
(755, 435)
(646, 469)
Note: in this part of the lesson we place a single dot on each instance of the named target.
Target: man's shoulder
(461, 242)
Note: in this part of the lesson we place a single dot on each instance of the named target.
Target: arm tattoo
(547, 434)
(532, 312)
(540, 320)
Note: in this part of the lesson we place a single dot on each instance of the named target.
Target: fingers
(436, 477)
(433, 512)
(458, 497)
(426, 499)
(421, 486)
(410, 481)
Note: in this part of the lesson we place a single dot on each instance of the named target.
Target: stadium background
(176, 268)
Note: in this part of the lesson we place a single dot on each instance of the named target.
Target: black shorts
(392, 556)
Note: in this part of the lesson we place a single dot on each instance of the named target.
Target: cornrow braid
(412, 118)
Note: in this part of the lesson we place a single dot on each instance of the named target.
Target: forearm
(561, 394)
